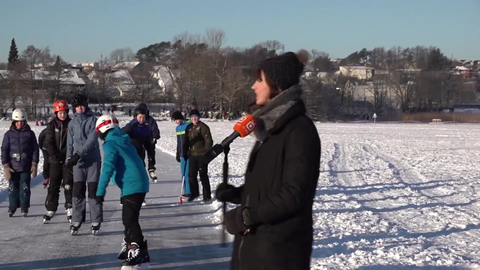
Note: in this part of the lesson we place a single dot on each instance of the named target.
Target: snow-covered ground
(390, 196)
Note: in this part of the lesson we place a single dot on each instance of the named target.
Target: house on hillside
(116, 83)
(359, 72)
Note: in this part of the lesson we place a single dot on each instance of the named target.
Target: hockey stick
(183, 180)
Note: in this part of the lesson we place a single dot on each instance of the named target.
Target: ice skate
(11, 212)
(69, 215)
(141, 266)
(49, 215)
(74, 228)
(95, 227)
(137, 257)
(24, 212)
(153, 176)
(122, 255)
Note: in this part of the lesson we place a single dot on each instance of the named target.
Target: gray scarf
(267, 115)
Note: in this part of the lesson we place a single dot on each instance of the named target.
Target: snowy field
(390, 196)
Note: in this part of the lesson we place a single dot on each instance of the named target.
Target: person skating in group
(140, 138)
(198, 141)
(83, 157)
(123, 165)
(60, 175)
(273, 226)
(182, 124)
(20, 154)
(155, 135)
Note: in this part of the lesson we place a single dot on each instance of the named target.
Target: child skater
(19, 159)
(133, 182)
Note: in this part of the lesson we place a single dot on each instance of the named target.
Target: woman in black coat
(273, 226)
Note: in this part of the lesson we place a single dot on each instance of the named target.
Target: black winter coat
(280, 185)
(56, 140)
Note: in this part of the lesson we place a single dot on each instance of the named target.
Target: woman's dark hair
(275, 90)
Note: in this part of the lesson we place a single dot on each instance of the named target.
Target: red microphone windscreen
(245, 125)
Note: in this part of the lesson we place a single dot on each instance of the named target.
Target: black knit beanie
(177, 115)
(285, 70)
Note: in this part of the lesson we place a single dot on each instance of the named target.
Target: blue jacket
(140, 138)
(20, 148)
(82, 139)
(180, 129)
(120, 155)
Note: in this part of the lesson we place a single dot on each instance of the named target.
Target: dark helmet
(79, 100)
(139, 110)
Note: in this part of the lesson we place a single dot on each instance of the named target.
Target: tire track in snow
(378, 200)
(433, 212)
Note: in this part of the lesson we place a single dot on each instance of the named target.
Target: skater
(83, 157)
(198, 141)
(154, 132)
(180, 155)
(273, 226)
(60, 175)
(20, 156)
(140, 138)
(127, 171)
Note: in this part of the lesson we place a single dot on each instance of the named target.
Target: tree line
(205, 74)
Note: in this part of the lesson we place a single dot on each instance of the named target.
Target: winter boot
(95, 227)
(74, 227)
(24, 212)
(49, 215)
(122, 255)
(69, 214)
(11, 211)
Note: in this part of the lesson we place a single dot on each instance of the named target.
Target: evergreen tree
(13, 56)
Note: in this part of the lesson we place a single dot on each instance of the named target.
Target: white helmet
(19, 115)
(105, 123)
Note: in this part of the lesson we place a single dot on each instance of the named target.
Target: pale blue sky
(80, 30)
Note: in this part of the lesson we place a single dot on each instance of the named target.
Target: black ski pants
(198, 166)
(60, 176)
(130, 215)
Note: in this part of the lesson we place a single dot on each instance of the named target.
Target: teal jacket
(119, 155)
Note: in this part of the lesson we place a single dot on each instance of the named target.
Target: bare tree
(235, 84)
(404, 86)
(31, 56)
(215, 38)
(121, 55)
(274, 46)
(378, 90)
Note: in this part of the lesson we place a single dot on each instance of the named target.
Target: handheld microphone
(242, 128)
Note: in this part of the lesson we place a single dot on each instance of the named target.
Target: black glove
(228, 193)
(234, 221)
(99, 199)
(73, 160)
(177, 157)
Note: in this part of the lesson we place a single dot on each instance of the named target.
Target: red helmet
(60, 105)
